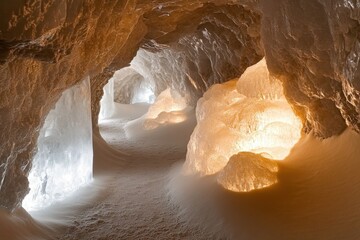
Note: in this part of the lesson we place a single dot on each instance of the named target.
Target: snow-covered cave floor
(135, 204)
(141, 195)
(317, 195)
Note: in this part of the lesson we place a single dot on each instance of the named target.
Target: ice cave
(203, 119)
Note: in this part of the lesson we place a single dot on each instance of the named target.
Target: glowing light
(248, 115)
(143, 94)
(168, 108)
(107, 105)
(244, 166)
(63, 161)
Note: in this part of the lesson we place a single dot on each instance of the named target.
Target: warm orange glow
(248, 115)
(244, 166)
(168, 108)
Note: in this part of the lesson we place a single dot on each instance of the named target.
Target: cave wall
(314, 47)
(48, 46)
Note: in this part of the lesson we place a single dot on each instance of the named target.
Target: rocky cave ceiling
(48, 46)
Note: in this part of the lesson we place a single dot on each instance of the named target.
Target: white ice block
(64, 157)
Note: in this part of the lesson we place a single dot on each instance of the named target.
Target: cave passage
(196, 120)
(147, 106)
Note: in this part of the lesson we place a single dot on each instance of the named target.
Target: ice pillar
(64, 157)
(107, 104)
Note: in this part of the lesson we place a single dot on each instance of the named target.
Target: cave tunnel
(179, 119)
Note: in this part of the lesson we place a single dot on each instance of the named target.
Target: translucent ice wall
(162, 69)
(248, 115)
(107, 101)
(64, 157)
(131, 87)
(169, 107)
(143, 94)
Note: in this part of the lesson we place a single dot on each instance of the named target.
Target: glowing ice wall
(107, 101)
(169, 108)
(162, 69)
(131, 87)
(64, 157)
(248, 115)
(143, 94)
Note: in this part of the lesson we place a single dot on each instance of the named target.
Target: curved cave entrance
(150, 104)
(243, 126)
(234, 130)
(238, 131)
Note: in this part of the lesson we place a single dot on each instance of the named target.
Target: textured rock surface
(314, 47)
(48, 46)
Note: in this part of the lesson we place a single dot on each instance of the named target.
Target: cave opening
(249, 114)
(150, 102)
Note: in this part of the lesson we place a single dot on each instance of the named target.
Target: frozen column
(107, 104)
(64, 157)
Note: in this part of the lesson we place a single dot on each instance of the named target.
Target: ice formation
(161, 69)
(248, 115)
(248, 171)
(169, 107)
(64, 157)
(143, 94)
(131, 87)
(126, 86)
(107, 101)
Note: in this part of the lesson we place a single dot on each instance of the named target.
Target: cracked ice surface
(64, 157)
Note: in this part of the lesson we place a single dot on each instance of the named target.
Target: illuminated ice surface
(248, 115)
(107, 101)
(126, 86)
(244, 166)
(131, 87)
(64, 157)
(169, 107)
(143, 94)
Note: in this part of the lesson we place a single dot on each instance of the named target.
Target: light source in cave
(143, 94)
(127, 86)
(107, 101)
(148, 80)
(64, 157)
(249, 170)
(248, 115)
(131, 87)
(169, 107)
